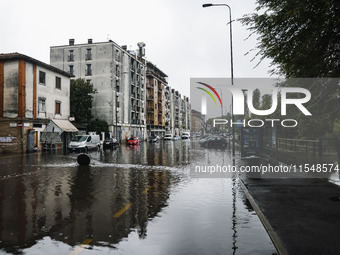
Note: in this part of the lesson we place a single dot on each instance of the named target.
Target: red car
(133, 141)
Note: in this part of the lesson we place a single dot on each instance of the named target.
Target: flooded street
(131, 200)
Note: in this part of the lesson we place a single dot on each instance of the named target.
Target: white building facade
(31, 94)
(119, 78)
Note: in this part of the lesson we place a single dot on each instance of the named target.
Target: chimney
(124, 47)
(71, 41)
(89, 41)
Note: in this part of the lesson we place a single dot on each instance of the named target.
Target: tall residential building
(180, 112)
(117, 75)
(156, 85)
(32, 93)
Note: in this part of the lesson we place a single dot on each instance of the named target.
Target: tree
(81, 96)
(98, 126)
(302, 37)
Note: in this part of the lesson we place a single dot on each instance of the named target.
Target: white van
(185, 135)
(84, 143)
(168, 137)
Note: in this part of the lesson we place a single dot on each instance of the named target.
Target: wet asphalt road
(131, 200)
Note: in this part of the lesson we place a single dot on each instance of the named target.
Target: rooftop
(19, 56)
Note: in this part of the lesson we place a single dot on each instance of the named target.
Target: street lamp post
(231, 66)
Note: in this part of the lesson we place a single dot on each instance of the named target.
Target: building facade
(180, 113)
(197, 123)
(119, 78)
(156, 85)
(31, 94)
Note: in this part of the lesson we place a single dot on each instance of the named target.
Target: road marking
(118, 214)
(146, 190)
(81, 247)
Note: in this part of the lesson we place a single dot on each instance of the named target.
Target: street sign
(20, 125)
(239, 123)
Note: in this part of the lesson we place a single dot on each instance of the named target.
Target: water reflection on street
(131, 200)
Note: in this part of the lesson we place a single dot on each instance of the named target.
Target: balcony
(149, 86)
(150, 110)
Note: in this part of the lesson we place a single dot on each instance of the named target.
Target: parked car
(133, 141)
(176, 137)
(214, 142)
(84, 143)
(185, 135)
(168, 137)
(110, 143)
(154, 138)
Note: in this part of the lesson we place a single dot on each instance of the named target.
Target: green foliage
(302, 37)
(98, 126)
(81, 99)
(336, 129)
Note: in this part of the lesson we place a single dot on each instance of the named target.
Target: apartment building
(31, 94)
(117, 74)
(156, 87)
(197, 123)
(179, 112)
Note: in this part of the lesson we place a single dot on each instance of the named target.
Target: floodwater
(131, 200)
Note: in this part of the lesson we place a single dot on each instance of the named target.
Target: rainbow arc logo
(209, 93)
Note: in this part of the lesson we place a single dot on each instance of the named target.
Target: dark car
(110, 143)
(214, 142)
(133, 141)
(154, 138)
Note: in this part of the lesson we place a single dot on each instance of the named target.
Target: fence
(295, 151)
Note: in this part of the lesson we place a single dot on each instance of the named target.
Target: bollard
(83, 160)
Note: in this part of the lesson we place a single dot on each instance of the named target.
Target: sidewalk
(302, 216)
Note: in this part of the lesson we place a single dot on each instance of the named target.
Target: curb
(272, 234)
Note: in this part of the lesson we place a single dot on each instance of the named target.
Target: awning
(65, 125)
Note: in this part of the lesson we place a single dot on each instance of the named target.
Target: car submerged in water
(168, 137)
(110, 143)
(133, 141)
(214, 142)
(176, 137)
(154, 139)
(84, 143)
(185, 135)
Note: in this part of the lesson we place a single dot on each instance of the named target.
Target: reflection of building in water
(70, 205)
(173, 153)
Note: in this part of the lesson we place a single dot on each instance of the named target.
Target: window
(57, 107)
(88, 70)
(41, 104)
(71, 56)
(71, 69)
(57, 82)
(42, 77)
(37, 125)
(88, 55)
(117, 56)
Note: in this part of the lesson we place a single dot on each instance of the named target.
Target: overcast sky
(183, 39)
